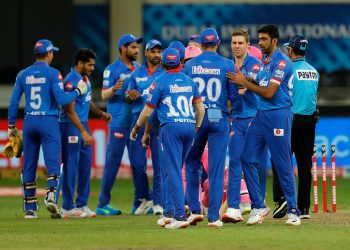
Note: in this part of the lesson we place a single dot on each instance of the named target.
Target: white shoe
(293, 220)
(73, 213)
(232, 215)
(265, 211)
(162, 221)
(30, 214)
(157, 210)
(86, 210)
(217, 223)
(193, 219)
(144, 207)
(245, 208)
(255, 217)
(175, 224)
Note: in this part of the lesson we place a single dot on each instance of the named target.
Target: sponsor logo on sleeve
(278, 132)
(118, 135)
(149, 97)
(73, 139)
(256, 67)
(279, 73)
(106, 73)
(152, 87)
(68, 86)
(282, 64)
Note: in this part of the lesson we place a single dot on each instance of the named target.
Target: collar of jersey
(272, 58)
(41, 63)
(299, 59)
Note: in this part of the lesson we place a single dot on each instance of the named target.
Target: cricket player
(209, 70)
(243, 112)
(137, 93)
(173, 94)
(43, 89)
(271, 126)
(77, 139)
(114, 87)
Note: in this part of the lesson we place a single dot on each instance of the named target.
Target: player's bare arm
(146, 136)
(99, 112)
(145, 114)
(198, 105)
(110, 92)
(241, 80)
(72, 115)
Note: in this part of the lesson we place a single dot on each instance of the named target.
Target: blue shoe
(108, 210)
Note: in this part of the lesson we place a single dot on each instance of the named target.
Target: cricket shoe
(86, 210)
(195, 217)
(162, 221)
(157, 210)
(245, 208)
(304, 214)
(232, 215)
(255, 216)
(144, 207)
(293, 219)
(73, 213)
(265, 211)
(108, 210)
(175, 224)
(51, 205)
(217, 223)
(30, 214)
(281, 209)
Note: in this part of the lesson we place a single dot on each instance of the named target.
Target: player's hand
(118, 85)
(11, 131)
(241, 91)
(81, 87)
(146, 140)
(134, 132)
(106, 116)
(237, 78)
(133, 94)
(87, 139)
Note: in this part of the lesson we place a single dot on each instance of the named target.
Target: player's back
(209, 70)
(36, 82)
(177, 92)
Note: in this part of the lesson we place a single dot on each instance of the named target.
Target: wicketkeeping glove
(14, 147)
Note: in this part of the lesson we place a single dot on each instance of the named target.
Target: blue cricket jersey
(43, 89)
(251, 68)
(209, 70)
(82, 102)
(173, 93)
(117, 106)
(305, 85)
(141, 79)
(278, 69)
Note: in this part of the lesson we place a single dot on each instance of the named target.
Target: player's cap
(128, 38)
(195, 38)
(192, 51)
(43, 46)
(255, 52)
(209, 37)
(179, 47)
(153, 43)
(297, 42)
(170, 57)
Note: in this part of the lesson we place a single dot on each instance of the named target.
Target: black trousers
(303, 140)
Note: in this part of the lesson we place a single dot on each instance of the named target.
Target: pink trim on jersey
(150, 105)
(275, 80)
(197, 98)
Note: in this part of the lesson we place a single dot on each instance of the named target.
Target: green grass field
(322, 231)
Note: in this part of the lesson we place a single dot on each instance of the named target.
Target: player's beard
(132, 57)
(155, 61)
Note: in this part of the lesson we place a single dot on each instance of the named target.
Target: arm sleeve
(154, 95)
(14, 102)
(62, 97)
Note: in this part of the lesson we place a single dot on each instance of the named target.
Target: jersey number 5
(35, 97)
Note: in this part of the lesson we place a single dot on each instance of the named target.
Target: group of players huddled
(181, 102)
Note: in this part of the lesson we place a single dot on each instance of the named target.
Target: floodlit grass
(322, 231)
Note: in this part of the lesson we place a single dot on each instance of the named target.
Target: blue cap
(43, 46)
(297, 42)
(170, 57)
(179, 47)
(153, 43)
(128, 38)
(209, 37)
(195, 38)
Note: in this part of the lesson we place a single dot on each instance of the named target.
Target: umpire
(305, 88)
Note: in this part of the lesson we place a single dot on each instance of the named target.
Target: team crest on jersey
(278, 132)
(118, 135)
(73, 139)
(282, 64)
(68, 86)
(256, 67)
(152, 87)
